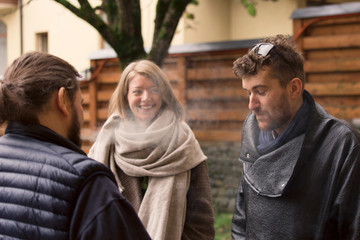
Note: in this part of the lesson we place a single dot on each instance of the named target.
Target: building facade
(44, 25)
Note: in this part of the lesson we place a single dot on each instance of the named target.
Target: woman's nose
(145, 96)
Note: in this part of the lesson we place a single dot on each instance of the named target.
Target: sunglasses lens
(262, 49)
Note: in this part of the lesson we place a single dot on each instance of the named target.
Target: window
(3, 48)
(42, 42)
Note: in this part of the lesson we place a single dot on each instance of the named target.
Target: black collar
(298, 126)
(42, 133)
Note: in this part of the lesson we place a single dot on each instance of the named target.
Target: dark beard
(74, 130)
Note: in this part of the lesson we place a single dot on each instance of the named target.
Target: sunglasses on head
(262, 49)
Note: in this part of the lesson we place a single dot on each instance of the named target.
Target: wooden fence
(212, 96)
(331, 47)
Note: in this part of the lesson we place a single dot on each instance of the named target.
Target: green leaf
(251, 10)
(190, 16)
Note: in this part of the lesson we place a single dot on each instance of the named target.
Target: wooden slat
(219, 135)
(12, 2)
(102, 114)
(338, 41)
(217, 115)
(210, 73)
(334, 89)
(170, 61)
(219, 93)
(86, 116)
(217, 57)
(297, 27)
(215, 125)
(104, 95)
(235, 104)
(344, 112)
(173, 74)
(332, 77)
(335, 21)
(92, 103)
(343, 53)
(86, 98)
(332, 65)
(338, 100)
(180, 92)
(217, 84)
(334, 29)
(109, 77)
(211, 63)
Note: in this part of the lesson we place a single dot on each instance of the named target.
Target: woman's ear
(62, 101)
(295, 87)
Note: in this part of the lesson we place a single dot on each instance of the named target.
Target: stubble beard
(282, 117)
(74, 130)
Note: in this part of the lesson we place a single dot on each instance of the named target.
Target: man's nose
(253, 102)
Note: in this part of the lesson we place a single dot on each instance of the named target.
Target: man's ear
(62, 101)
(295, 87)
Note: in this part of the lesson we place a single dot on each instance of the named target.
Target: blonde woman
(159, 165)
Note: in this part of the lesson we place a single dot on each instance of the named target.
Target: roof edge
(186, 48)
(326, 10)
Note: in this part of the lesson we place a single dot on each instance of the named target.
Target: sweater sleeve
(101, 212)
(199, 222)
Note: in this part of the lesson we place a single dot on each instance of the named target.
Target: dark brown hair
(29, 83)
(284, 61)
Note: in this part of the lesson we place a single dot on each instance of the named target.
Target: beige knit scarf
(165, 152)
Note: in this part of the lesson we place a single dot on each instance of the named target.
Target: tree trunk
(122, 27)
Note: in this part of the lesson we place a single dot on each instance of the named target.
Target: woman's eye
(154, 90)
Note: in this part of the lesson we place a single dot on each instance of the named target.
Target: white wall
(147, 20)
(272, 18)
(211, 22)
(69, 37)
(215, 20)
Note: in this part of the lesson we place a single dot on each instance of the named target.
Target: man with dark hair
(49, 188)
(300, 164)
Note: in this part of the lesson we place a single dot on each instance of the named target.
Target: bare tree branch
(165, 27)
(120, 26)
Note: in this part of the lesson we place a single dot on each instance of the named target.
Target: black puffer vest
(41, 175)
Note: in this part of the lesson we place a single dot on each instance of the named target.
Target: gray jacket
(306, 189)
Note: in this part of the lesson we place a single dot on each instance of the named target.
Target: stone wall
(224, 173)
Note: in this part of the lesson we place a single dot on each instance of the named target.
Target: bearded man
(50, 189)
(300, 165)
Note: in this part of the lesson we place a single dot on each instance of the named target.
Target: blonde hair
(119, 103)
